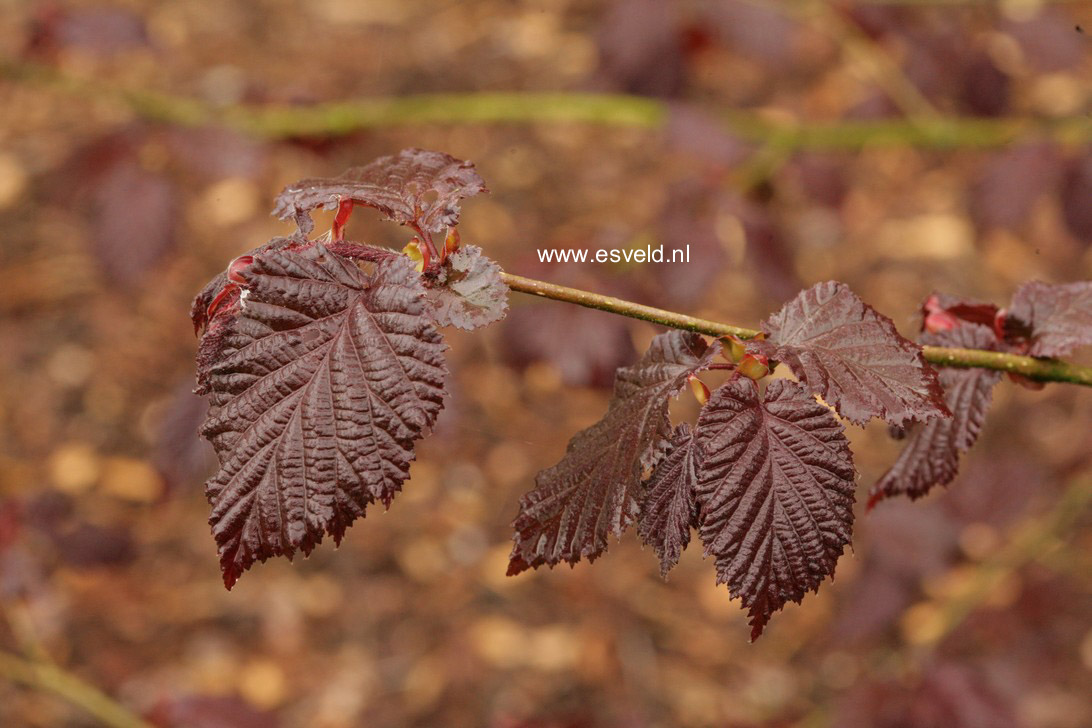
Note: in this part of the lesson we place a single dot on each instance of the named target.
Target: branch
(341, 118)
(1041, 370)
(50, 678)
(1028, 542)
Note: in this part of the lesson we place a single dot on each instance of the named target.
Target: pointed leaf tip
(669, 510)
(852, 356)
(930, 455)
(595, 489)
(775, 493)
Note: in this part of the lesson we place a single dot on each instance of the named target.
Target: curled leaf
(415, 187)
(468, 292)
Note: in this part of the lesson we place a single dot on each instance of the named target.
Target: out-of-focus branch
(49, 678)
(866, 54)
(1029, 542)
(339, 118)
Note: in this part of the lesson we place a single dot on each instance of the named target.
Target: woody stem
(1042, 370)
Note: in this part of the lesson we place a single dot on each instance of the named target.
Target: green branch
(50, 678)
(1042, 370)
(344, 117)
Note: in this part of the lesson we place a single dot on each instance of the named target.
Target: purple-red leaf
(775, 493)
(323, 378)
(943, 312)
(669, 509)
(215, 306)
(468, 292)
(595, 489)
(1058, 317)
(415, 187)
(845, 351)
(931, 454)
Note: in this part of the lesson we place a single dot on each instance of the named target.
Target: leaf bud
(413, 252)
(754, 366)
(699, 389)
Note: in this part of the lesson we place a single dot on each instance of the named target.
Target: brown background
(968, 609)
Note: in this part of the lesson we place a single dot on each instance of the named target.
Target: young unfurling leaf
(415, 187)
(468, 291)
(849, 354)
(595, 490)
(775, 493)
(321, 380)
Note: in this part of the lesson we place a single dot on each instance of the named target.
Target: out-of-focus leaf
(11, 521)
(468, 291)
(214, 152)
(755, 30)
(415, 187)
(688, 223)
(132, 209)
(640, 50)
(768, 252)
(1049, 40)
(775, 493)
(594, 345)
(324, 378)
(133, 220)
(852, 356)
(182, 458)
(48, 510)
(595, 490)
(1075, 195)
(985, 87)
(86, 544)
(1010, 183)
(702, 136)
(102, 31)
(945, 695)
(898, 546)
(210, 711)
(930, 456)
(822, 177)
(669, 509)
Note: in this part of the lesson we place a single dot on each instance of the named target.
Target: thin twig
(50, 678)
(1029, 542)
(868, 55)
(1042, 370)
(624, 308)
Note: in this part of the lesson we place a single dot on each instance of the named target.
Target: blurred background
(901, 146)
